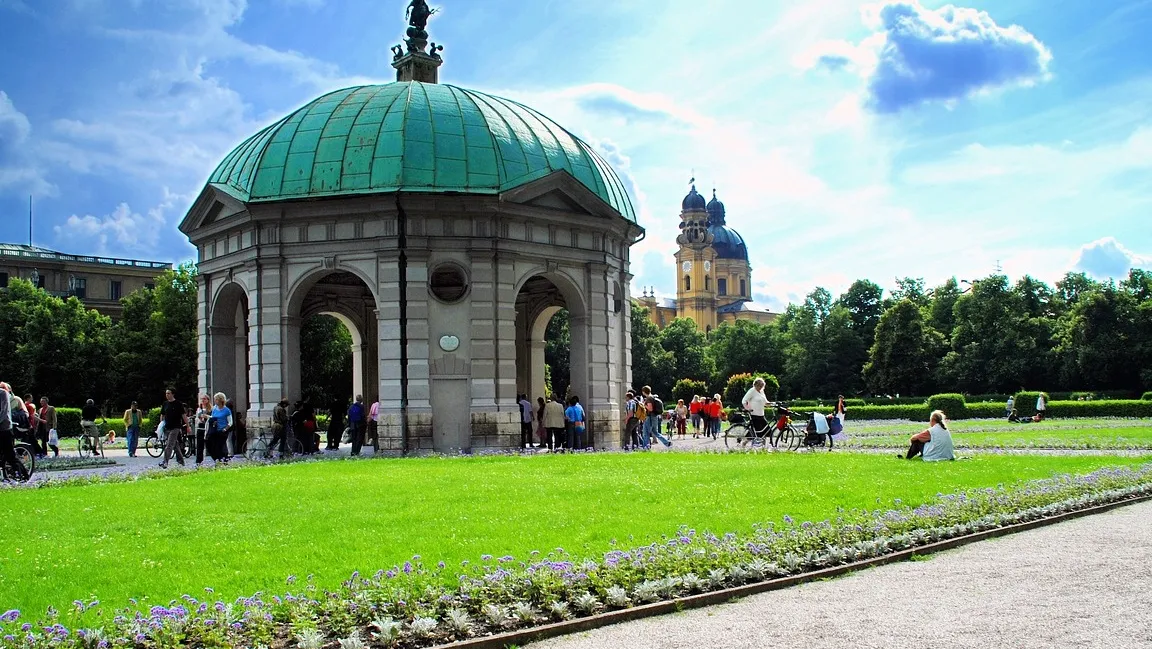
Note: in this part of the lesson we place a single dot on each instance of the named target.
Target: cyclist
(88, 416)
(7, 440)
(754, 402)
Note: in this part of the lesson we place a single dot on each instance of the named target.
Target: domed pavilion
(444, 227)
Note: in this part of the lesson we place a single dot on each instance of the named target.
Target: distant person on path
(357, 417)
(754, 402)
(48, 431)
(279, 427)
(934, 443)
(220, 427)
(335, 426)
(88, 416)
(7, 437)
(525, 421)
(33, 426)
(715, 412)
(175, 420)
(631, 420)
(374, 425)
(203, 414)
(681, 414)
(694, 413)
(1041, 406)
(1009, 406)
(133, 417)
(239, 434)
(577, 425)
(654, 412)
(541, 431)
(554, 423)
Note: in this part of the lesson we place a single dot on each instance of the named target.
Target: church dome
(412, 137)
(693, 201)
(728, 243)
(715, 210)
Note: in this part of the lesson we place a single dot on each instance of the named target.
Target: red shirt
(714, 409)
(694, 407)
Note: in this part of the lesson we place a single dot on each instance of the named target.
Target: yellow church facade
(714, 277)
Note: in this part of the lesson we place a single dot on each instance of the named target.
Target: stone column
(266, 352)
(204, 372)
(483, 332)
(419, 370)
(290, 360)
(536, 367)
(391, 428)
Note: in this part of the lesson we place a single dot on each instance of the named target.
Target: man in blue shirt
(576, 423)
(356, 420)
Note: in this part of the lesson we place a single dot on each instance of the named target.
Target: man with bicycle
(754, 402)
(175, 421)
(7, 439)
(88, 416)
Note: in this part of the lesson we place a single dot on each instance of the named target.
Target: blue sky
(847, 139)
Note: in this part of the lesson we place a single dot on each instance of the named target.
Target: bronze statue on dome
(418, 14)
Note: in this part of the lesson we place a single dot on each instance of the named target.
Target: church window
(722, 286)
(707, 283)
(687, 282)
(743, 288)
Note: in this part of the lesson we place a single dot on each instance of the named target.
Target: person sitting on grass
(934, 443)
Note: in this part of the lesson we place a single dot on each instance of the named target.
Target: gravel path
(1083, 583)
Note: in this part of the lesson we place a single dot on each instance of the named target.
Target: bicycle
(154, 445)
(261, 447)
(26, 456)
(92, 444)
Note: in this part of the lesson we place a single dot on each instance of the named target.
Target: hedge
(1060, 409)
(953, 405)
(870, 413)
(1147, 396)
(1025, 404)
(1110, 408)
(68, 423)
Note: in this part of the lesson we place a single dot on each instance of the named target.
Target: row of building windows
(78, 286)
(721, 285)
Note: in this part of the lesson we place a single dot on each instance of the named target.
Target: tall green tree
(905, 354)
(824, 355)
(745, 346)
(1100, 344)
(652, 365)
(942, 307)
(326, 362)
(993, 348)
(688, 346)
(865, 303)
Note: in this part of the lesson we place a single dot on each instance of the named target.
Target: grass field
(997, 433)
(244, 530)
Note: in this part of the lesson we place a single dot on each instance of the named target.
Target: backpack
(641, 410)
(356, 413)
(20, 418)
(657, 406)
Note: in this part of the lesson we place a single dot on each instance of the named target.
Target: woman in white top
(681, 415)
(203, 414)
(934, 443)
(754, 402)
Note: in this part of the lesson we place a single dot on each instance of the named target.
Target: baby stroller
(817, 432)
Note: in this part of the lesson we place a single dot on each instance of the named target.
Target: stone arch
(347, 294)
(228, 341)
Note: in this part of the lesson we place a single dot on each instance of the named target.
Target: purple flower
(291, 579)
(10, 616)
(506, 558)
(440, 565)
(407, 568)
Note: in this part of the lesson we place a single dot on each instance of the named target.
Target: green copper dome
(411, 136)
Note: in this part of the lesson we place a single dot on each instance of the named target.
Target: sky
(847, 140)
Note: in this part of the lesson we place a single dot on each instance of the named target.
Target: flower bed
(70, 463)
(417, 605)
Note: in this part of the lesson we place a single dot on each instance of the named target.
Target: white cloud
(1108, 258)
(20, 172)
(918, 55)
(123, 229)
(633, 107)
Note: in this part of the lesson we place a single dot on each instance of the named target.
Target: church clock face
(687, 266)
(707, 266)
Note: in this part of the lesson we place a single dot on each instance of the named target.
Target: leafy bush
(687, 388)
(992, 410)
(871, 413)
(1111, 408)
(1026, 403)
(739, 384)
(1147, 396)
(953, 405)
(68, 423)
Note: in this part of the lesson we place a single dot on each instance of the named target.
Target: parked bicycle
(261, 448)
(154, 445)
(26, 456)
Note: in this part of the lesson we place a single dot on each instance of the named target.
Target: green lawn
(244, 530)
(873, 428)
(1105, 434)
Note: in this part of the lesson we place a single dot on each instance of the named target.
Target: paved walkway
(1084, 583)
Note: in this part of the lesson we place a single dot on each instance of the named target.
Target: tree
(910, 288)
(865, 303)
(687, 345)
(944, 297)
(1100, 344)
(652, 365)
(1069, 289)
(326, 362)
(905, 354)
(993, 348)
(824, 356)
(558, 352)
(687, 388)
(745, 346)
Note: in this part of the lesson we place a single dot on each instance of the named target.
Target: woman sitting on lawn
(934, 443)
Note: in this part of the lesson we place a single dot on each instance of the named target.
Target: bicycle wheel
(795, 437)
(734, 436)
(27, 458)
(98, 446)
(295, 446)
(84, 446)
(257, 448)
(153, 446)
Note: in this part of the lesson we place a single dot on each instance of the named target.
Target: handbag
(347, 436)
(53, 437)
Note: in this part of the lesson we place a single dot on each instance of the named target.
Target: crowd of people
(552, 423)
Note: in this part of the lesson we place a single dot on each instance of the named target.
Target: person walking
(47, 432)
(203, 414)
(88, 416)
(239, 436)
(374, 425)
(716, 414)
(220, 425)
(175, 420)
(1041, 406)
(694, 412)
(654, 414)
(554, 423)
(541, 431)
(577, 424)
(631, 420)
(279, 428)
(681, 414)
(7, 436)
(1009, 406)
(336, 425)
(356, 421)
(133, 416)
(754, 402)
(525, 421)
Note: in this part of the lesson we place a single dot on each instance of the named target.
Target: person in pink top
(373, 429)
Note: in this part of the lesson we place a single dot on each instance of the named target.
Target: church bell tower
(695, 262)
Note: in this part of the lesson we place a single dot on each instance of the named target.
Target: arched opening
(707, 283)
(331, 336)
(228, 347)
(551, 350)
(687, 282)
